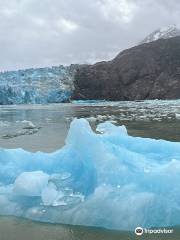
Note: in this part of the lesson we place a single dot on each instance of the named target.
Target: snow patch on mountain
(162, 33)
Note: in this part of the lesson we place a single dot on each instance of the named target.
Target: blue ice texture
(37, 86)
(104, 178)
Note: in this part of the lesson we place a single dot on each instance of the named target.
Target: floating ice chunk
(110, 180)
(91, 119)
(108, 127)
(101, 118)
(4, 124)
(49, 194)
(29, 125)
(31, 183)
(177, 115)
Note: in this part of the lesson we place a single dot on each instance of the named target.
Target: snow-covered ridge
(40, 85)
(162, 33)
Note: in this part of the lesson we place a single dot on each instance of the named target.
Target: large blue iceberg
(104, 178)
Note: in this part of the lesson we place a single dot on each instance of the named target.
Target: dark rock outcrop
(147, 71)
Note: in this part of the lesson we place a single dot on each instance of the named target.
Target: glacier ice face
(107, 179)
(41, 85)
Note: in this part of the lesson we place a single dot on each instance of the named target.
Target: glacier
(39, 86)
(102, 178)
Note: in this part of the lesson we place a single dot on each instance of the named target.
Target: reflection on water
(155, 119)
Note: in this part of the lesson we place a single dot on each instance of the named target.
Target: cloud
(66, 25)
(118, 10)
(53, 32)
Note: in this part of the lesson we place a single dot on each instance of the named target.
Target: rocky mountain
(162, 33)
(40, 85)
(147, 71)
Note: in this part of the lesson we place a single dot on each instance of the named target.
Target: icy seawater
(45, 127)
(103, 177)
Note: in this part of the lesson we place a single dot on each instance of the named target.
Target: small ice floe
(48, 120)
(25, 128)
(7, 136)
(113, 121)
(91, 119)
(4, 124)
(20, 133)
(157, 119)
(177, 115)
(69, 119)
(101, 118)
(29, 125)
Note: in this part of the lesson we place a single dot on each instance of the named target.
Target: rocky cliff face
(147, 71)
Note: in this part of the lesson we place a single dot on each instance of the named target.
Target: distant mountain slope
(41, 85)
(147, 71)
(162, 33)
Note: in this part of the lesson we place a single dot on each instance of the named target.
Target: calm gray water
(19, 229)
(44, 127)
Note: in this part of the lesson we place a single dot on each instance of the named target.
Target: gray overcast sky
(36, 33)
